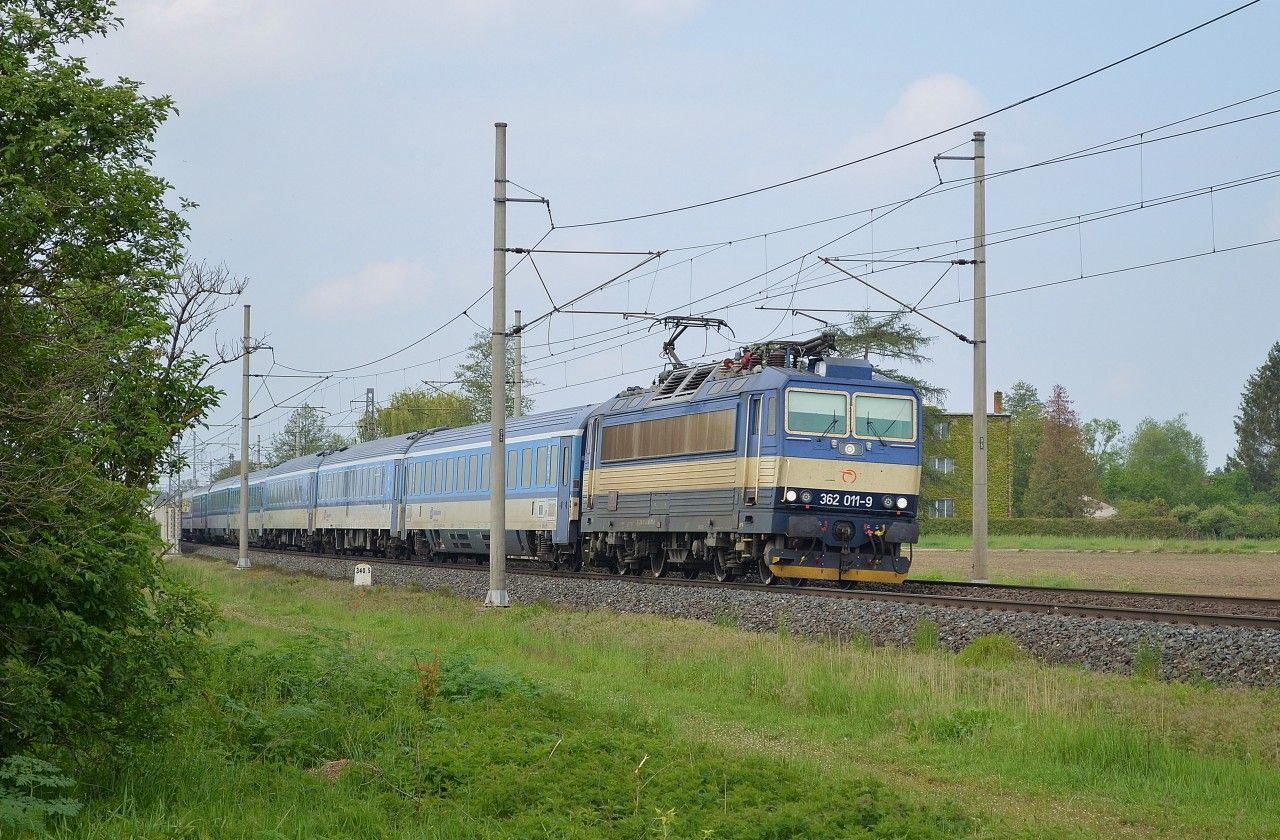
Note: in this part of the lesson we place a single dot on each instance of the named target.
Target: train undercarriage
(722, 556)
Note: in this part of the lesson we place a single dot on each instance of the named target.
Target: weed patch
(1146, 660)
(926, 635)
(992, 651)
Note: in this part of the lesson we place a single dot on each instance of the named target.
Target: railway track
(1170, 608)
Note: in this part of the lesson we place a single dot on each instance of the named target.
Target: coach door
(589, 465)
(313, 493)
(755, 408)
(397, 499)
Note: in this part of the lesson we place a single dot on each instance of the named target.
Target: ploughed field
(1251, 575)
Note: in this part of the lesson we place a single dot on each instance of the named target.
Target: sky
(341, 157)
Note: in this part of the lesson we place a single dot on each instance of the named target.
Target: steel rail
(1231, 600)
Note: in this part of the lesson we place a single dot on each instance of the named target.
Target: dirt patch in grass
(1253, 575)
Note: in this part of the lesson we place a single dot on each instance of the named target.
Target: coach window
(540, 472)
(526, 467)
(817, 413)
(885, 418)
(551, 468)
(484, 471)
(473, 471)
(513, 472)
(771, 413)
(564, 467)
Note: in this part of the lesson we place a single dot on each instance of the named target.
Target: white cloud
(927, 105)
(367, 292)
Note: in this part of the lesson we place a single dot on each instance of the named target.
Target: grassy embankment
(536, 721)
(964, 542)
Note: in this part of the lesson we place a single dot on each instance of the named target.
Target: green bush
(28, 788)
(1218, 521)
(1185, 513)
(1164, 528)
(1260, 521)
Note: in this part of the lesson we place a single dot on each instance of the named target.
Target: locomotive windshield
(888, 418)
(817, 412)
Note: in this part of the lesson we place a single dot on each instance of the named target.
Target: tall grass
(746, 735)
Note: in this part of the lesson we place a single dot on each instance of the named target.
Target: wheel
(658, 564)
(573, 562)
(718, 568)
(689, 571)
(767, 577)
(619, 563)
(795, 582)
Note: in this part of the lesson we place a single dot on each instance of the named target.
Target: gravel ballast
(1221, 655)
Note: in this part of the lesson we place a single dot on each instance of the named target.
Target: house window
(942, 431)
(942, 508)
(944, 465)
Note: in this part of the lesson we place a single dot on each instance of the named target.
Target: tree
(96, 638)
(1258, 426)
(304, 433)
(1100, 437)
(410, 411)
(1026, 431)
(475, 375)
(889, 339)
(1162, 461)
(1062, 474)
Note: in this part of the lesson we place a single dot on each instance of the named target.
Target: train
(786, 464)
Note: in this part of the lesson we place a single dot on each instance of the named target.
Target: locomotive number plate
(863, 501)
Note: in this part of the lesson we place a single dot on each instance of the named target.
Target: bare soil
(1252, 575)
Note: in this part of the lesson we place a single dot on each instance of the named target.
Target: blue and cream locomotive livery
(779, 466)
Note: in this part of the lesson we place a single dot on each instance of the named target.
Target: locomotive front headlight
(791, 496)
(902, 503)
(850, 449)
(887, 501)
(806, 497)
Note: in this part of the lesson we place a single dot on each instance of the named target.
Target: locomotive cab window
(817, 413)
(885, 418)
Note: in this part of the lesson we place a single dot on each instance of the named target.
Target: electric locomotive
(791, 466)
